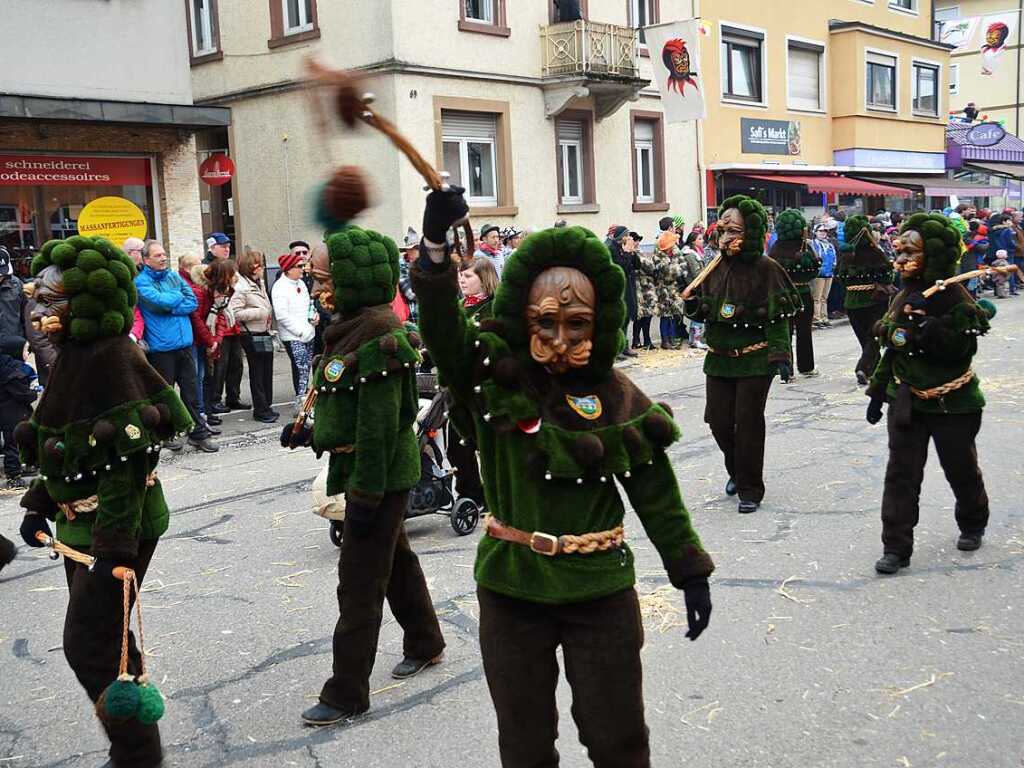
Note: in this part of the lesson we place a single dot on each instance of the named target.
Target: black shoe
(8, 552)
(324, 714)
(205, 445)
(17, 483)
(730, 487)
(174, 445)
(649, 346)
(239, 406)
(29, 470)
(629, 353)
(213, 430)
(219, 408)
(891, 563)
(268, 418)
(746, 507)
(968, 542)
(214, 421)
(862, 378)
(411, 667)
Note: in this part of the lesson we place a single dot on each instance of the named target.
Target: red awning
(841, 185)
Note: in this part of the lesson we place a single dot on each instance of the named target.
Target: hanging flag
(675, 56)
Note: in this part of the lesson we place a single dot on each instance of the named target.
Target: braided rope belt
(870, 287)
(739, 352)
(550, 545)
(73, 509)
(943, 389)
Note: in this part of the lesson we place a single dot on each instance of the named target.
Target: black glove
(785, 371)
(103, 569)
(916, 301)
(874, 414)
(30, 526)
(444, 210)
(698, 606)
(359, 519)
(302, 440)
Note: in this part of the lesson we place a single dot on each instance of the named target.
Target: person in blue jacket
(1001, 236)
(166, 302)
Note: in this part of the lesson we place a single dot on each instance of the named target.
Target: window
(904, 5)
(881, 85)
(559, 9)
(204, 44)
(805, 77)
(570, 161)
(954, 79)
(741, 65)
(486, 16)
(643, 13)
(947, 14)
(469, 141)
(648, 161)
(292, 21)
(926, 89)
(481, 10)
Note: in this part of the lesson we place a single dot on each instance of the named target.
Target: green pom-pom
(91, 260)
(120, 272)
(129, 319)
(39, 263)
(64, 255)
(112, 323)
(102, 282)
(790, 224)
(133, 294)
(121, 699)
(87, 305)
(105, 247)
(79, 242)
(84, 329)
(987, 307)
(48, 247)
(151, 704)
(74, 280)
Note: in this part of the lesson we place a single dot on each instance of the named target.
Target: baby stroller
(434, 493)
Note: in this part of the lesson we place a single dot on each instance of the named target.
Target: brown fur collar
(621, 400)
(347, 334)
(748, 284)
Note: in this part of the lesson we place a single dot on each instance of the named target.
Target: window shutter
(469, 125)
(878, 58)
(804, 79)
(570, 130)
(643, 130)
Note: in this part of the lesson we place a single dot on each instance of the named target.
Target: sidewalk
(239, 426)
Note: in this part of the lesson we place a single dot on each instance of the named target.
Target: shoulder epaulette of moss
(78, 452)
(390, 354)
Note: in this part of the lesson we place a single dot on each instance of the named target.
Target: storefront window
(41, 196)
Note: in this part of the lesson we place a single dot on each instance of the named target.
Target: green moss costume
(552, 446)
(367, 402)
(748, 299)
(862, 262)
(793, 251)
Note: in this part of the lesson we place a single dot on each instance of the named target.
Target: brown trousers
(800, 327)
(735, 412)
(601, 641)
(863, 323)
(372, 568)
(954, 435)
(92, 646)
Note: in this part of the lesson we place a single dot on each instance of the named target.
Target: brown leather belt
(549, 545)
(739, 352)
(73, 509)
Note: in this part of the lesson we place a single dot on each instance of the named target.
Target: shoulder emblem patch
(133, 432)
(334, 370)
(728, 310)
(899, 337)
(588, 407)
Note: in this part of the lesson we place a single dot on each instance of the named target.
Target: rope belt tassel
(739, 352)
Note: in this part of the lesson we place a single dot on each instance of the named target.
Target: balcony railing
(589, 47)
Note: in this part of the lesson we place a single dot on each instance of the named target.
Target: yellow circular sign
(114, 218)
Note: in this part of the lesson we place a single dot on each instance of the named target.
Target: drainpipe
(1016, 96)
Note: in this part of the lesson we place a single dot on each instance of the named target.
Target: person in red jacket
(203, 342)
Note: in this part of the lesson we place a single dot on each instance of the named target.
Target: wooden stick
(307, 408)
(120, 572)
(702, 276)
(940, 285)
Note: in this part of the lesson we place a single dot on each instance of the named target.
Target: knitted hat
(98, 279)
(289, 260)
(364, 268)
(790, 224)
(755, 221)
(941, 244)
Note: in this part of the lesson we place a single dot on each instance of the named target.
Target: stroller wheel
(337, 527)
(465, 516)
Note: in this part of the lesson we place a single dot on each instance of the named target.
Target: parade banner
(958, 32)
(997, 30)
(675, 56)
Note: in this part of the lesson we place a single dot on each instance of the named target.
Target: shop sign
(73, 171)
(770, 137)
(217, 170)
(114, 218)
(986, 135)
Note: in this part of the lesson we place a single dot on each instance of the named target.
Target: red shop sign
(73, 171)
(217, 170)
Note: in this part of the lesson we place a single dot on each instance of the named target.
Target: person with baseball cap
(218, 246)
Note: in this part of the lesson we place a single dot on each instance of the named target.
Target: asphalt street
(810, 660)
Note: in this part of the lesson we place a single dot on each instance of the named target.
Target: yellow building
(826, 88)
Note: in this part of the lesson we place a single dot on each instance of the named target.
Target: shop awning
(1013, 170)
(185, 116)
(933, 186)
(842, 185)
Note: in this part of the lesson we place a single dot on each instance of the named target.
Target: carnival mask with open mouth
(910, 254)
(731, 229)
(560, 315)
(52, 305)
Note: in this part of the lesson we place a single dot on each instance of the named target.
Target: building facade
(99, 106)
(540, 120)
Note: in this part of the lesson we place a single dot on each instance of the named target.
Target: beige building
(539, 121)
(99, 106)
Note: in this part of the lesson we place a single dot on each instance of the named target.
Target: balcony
(588, 59)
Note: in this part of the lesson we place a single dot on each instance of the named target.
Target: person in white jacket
(296, 319)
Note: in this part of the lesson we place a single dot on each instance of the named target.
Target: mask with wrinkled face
(560, 316)
(52, 305)
(323, 285)
(731, 229)
(910, 259)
